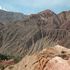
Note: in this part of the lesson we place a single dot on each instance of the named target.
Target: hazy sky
(34, 6)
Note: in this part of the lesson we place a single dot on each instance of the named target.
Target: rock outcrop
(57, 63)
(53, 58)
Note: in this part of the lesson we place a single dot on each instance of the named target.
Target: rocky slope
(31, 34)
(52, 58)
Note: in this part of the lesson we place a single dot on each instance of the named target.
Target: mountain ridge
(19, 37)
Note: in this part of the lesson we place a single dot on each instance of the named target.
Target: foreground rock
(57, 63)
(54, 58)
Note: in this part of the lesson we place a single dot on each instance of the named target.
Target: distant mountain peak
(9, 17)
(47, 13)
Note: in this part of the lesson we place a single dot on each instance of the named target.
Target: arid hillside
(22, 35)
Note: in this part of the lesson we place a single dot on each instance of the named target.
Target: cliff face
(32, 33)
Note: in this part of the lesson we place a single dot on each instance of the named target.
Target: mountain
(22, 35)
(64, 16)
(10, 17)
